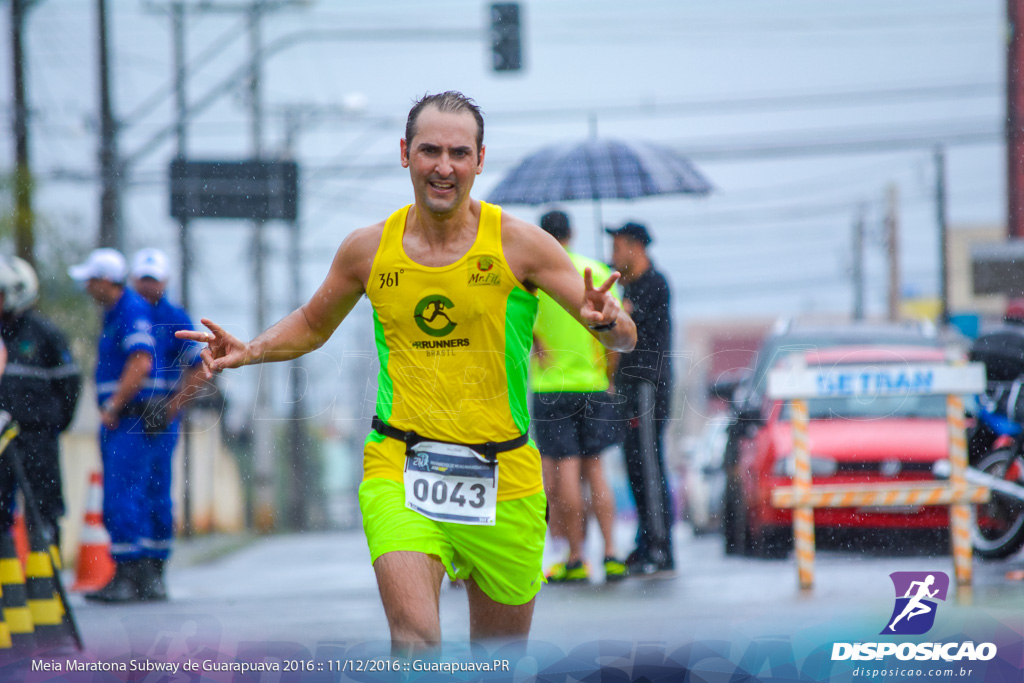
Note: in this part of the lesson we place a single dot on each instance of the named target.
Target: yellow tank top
(454, 344)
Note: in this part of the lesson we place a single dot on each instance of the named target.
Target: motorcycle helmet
(19, 284)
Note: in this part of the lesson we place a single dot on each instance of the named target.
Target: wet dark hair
(556, 224)
(450, 101)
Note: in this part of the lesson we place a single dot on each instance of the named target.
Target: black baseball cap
(634, 231)
(556, 224)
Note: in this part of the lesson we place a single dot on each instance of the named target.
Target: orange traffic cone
(20, 535)
(95, 566)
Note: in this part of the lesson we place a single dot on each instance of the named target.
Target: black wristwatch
(605, 327)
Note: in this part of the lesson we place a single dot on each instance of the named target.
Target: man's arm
(188, 388)
(306, 328)
(134, 374)
(538, 260)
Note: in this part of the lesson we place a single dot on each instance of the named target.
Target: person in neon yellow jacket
(574, 420)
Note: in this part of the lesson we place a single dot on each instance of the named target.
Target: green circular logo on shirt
(429, 310)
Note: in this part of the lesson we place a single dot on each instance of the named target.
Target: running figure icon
(915, 606)
(437, 310)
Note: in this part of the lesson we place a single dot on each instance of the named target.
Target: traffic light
(506, 45)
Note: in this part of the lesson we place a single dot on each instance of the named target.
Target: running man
(915, 607)
(476, 484)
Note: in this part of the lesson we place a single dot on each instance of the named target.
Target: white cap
(102, 264)
(151, 263)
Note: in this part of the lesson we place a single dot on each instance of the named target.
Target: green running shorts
(505, 560)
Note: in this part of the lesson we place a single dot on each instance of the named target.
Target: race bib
(450, 483)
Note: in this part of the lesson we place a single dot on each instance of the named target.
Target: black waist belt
(489, 450)
(135, 409)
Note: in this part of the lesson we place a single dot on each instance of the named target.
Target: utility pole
(300, 483)
(892, 248)
(264, 508)
(261, 504)
(940, 218)
(177, 10)
(24, 235)
(857, 269)
(110, 233)
(598, 220)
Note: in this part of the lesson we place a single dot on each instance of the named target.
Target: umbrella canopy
(599, 169)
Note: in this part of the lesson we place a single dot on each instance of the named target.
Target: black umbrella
(599, 169)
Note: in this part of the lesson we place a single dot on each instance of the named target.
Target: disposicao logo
(913, 614)
(916, 595)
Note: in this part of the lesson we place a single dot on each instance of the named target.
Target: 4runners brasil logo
(431, 318)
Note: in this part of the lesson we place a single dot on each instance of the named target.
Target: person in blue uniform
(177, 376)
(125, 384)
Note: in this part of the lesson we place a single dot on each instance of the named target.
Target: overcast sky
(827, 88)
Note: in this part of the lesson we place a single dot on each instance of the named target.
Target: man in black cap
(644, 379)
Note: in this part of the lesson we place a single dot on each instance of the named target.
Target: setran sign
(251, 190)
(895, 379)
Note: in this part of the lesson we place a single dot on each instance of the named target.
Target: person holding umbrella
(644, 379)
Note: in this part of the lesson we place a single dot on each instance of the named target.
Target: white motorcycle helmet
(19, 284)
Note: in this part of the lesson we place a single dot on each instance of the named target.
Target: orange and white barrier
(959, 511)
(799, 383)
(840, 496)
(803, 515)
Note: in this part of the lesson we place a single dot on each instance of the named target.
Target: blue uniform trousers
(137, 507)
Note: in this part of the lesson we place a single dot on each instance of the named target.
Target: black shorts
(574, 423)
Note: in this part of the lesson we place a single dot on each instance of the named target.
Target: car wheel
(998, 529)
(733, 519)
(771, 543)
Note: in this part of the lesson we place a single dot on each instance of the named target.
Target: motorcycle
(998, 529)
(996, 445)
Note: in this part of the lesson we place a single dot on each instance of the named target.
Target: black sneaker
(635, 561)
(124, 587)
(645, 567)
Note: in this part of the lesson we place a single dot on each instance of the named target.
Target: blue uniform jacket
(126, 329)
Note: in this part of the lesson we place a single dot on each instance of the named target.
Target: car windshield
(777, 348)
(871, 407)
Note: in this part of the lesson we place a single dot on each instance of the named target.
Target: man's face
(149, 288)
(102, 291)
(442, 159)
(94, 287)
(624, 252)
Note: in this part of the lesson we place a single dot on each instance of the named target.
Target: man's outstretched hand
(222, 350)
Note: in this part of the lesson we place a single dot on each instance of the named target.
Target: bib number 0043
(451, 483)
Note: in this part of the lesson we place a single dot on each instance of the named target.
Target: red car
(852, 440)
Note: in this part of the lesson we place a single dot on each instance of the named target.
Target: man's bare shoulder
(359, 247)
(521, 235)
(363, 240)
(515, 228)
(527, 247)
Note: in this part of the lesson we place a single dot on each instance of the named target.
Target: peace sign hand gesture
(600, 310)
